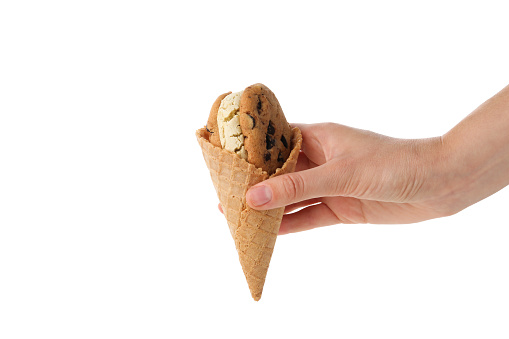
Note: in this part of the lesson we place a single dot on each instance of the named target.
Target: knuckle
(293, 186)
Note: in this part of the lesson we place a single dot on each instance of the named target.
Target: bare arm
(478, 153)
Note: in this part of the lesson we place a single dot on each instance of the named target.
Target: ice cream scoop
(251, 124)
(228, 124)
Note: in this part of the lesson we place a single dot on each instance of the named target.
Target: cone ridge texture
(254, 232)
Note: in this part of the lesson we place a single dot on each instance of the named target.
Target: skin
(348, 175)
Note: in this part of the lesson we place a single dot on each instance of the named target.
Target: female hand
(347, 175)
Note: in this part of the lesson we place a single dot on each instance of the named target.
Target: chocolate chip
(270, 142)
(271, 130)
(259, 106)
(267, 156)
(253, 122)
(283, 140)
(280, 157)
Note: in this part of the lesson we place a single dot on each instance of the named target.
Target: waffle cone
(254, 232)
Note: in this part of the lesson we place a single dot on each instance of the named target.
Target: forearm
(477, 152)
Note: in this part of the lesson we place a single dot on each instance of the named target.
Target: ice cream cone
(254, 232)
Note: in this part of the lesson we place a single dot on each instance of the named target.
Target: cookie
(211, 126)
(267, 134)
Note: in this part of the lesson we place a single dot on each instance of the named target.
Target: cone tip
(256, 297)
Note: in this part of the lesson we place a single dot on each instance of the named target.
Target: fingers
(315, 175)
(291, 188)
(297, 205)
(308, 218)
(312, 137)
(303, 163)
(289, 208)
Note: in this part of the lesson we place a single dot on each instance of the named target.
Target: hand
(347, 175)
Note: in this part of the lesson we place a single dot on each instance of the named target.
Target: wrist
(439, 176)
(475, 168)
(477, 155)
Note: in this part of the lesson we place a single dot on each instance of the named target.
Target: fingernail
(260, 195)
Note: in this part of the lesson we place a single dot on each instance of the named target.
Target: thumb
(290, 188)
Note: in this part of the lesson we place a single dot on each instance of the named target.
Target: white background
(109, 225)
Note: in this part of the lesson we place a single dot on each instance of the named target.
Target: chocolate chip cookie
(211, 126)
(267, 133)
